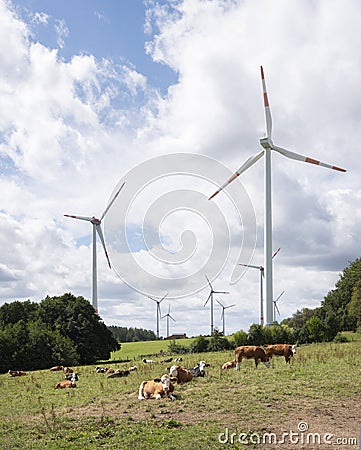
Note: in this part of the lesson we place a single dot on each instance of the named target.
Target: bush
(340, 338)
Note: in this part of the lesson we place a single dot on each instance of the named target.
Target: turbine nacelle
(266, 142)
(95, 221)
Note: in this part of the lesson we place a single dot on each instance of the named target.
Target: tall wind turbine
(210, 296)
(158, 302)
(268, 147)
(97, 229)
(223, 315)
(261, 270)
(168, 316)
(276, 306)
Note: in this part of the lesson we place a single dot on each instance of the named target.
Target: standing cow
(286, 350)
(251, 351)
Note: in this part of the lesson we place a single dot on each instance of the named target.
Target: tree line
(57, 331)
(124, 334)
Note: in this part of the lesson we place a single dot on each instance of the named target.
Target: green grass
(322, 387)
(136, 350)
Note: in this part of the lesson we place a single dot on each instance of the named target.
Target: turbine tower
(223, 315)
(261, 269)
(210, 296)
(168, 316)
(96, 223)
(268, 147)
(158, 302)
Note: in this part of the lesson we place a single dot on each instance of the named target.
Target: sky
(166, 96)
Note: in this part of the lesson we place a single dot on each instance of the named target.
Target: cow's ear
(157, 380)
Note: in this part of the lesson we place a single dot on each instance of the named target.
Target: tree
(315, 329)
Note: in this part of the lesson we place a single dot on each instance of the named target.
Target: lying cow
(101, 369)
(71, 376)
(181, 374)
(67, 370)
(286, 350)
(251, 351)
(148, 361)
(16, 373)
(229, 365)
(67, 383)
(56, 368)
(157, 388)
(166, 360)
(132, 368)
(198, 370)
(119, 373)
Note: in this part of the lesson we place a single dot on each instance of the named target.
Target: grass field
(134, 350)
(321, 388)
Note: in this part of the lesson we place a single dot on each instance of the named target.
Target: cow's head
(165, 380)
(267, 363)
(173, 371)
(294, 348)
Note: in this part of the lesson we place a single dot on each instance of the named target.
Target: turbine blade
(163, 297)
(219, 303)
(253, 267)
(246, 165)
(306, 159)
(100, 234)
(209, 283)
(222, 314)
(88, 219)
(113, 200)
(209, 296)
(220, 292)
(278, 311)
(230, 306)
(266, 106)
(172, 318)
(275, 253)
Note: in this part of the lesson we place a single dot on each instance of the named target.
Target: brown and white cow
(65, 384)
(56, 368)
(229, 365)
(157, 388)
(181, 374)
(67, 370)
(286, 350)
(251, 351)
(16, 373)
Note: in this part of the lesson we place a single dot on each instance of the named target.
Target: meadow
(318, 393)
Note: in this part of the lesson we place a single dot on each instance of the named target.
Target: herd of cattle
(163, 387)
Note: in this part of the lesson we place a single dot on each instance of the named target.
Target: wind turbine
(261, 269)
(268, 147)
(275, 304)
(97, 229)
(223, 315)
(158, 302)
(210, 296)
(168, 316)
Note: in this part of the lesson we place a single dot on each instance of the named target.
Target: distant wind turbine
(223, 315)
(97, 229)
(268, 147)
(168, 316)
(211, 298)
(261, 270)
(158, 302)
(275, 304)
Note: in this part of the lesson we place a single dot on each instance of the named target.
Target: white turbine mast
(268, 147)
(158, 302)
(223, 315)
(97, 229)
(168, 316)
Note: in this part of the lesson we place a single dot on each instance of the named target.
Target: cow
(286, 350)
(167, 360)
(16, 373)
(198, 370)
(109, 370)
(56, 368)
(181, 374)
(67, 383)
(71, 376)
(157, 388)
(251, 351)
(119, 373)
(132, 368)
(67, 370)
(178, 359)
(229, 365)
(148, 361)
(101, 369)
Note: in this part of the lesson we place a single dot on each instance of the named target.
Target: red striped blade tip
(262, 74)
